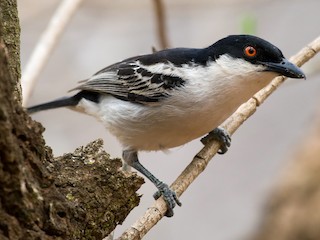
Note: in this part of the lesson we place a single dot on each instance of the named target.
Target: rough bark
(81, 195)
(10, 34)
(293, 210)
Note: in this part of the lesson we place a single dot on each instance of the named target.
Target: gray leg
(131, 158)
(222, 136)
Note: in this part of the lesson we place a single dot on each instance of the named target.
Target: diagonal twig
(200, 161)
(159, 9)
(45, 46)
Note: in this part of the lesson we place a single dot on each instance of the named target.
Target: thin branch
(200, 161)
(46, 45)
(161, 23)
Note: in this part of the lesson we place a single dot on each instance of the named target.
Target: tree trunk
(81, 195)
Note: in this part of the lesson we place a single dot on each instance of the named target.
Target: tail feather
(62, 102)
(65, 102)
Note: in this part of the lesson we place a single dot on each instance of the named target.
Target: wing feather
(133, 81)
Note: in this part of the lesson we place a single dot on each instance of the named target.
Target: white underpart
(210, 95)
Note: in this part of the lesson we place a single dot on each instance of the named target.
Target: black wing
(133, 80)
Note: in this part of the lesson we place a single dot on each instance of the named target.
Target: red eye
(250, 51)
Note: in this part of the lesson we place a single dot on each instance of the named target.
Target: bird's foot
(222, 136)
(169, 196)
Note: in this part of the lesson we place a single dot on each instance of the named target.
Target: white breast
(209, 96)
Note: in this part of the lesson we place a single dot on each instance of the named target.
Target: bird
(165, 99)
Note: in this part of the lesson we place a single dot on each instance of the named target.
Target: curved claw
(169, 196)
(221, 135)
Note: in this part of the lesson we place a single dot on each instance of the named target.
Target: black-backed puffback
(165, 99)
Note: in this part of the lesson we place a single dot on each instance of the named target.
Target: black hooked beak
(285, 68)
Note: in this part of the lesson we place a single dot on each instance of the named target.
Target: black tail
(62, 102)
(65, 102)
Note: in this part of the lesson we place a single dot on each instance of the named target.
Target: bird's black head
(256, 51)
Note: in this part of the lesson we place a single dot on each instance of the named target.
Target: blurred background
(227, 201)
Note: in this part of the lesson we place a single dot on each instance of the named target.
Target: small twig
(200, 161)
(45, 46)
(161, 23)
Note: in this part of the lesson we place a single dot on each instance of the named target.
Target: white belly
(157, 127)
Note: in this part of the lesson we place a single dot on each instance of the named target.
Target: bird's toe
(222, 136)
(169, 196)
